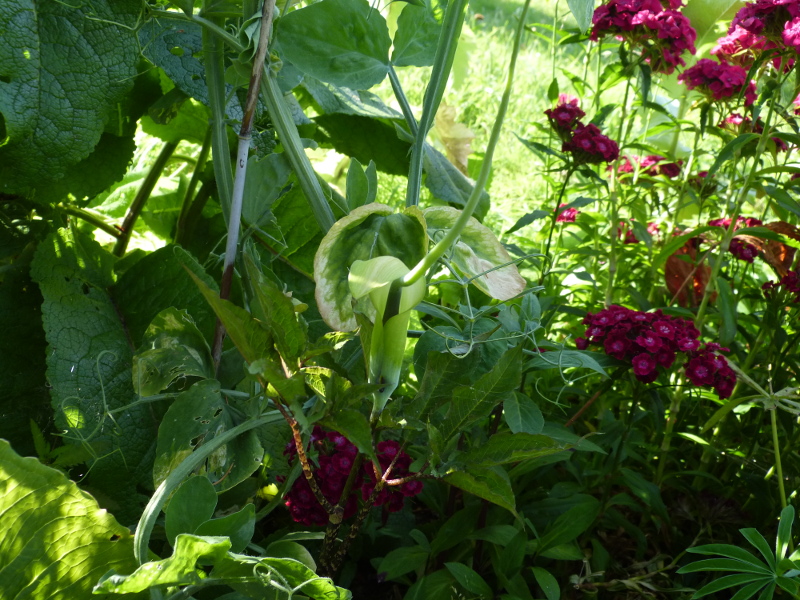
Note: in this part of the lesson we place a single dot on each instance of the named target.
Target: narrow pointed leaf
(728, 581)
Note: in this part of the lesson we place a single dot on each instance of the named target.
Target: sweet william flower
(719, 81)
(589, 146)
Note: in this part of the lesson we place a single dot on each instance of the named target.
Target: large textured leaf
(160, 280)
(447, 183)
(89, 367)
(56, 541)
(182, 569)
(360, 103)
(477, 254)
(196, 416)
(477, 401)
(367, 232)
(63, 69)
(343, 42)
(172, 347)
(582, 10)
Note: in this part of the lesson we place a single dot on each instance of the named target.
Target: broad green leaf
(727, 307)
(469, 579)
(403, 560)
(729, 581)
(522, 414)
(192, 505)
(438, 584)
(416, 38)
(189, 122)
(489, 483)
(548, 583)
(455, 529)
(89, 367)
(277, 312)
(563, 359)
(570, 524)
(196, 416)
(678, 242)
(161, 280)
(646, 491)
(248, 574)
(179, 569)
(725, 564)
(355, 427)
(478, 254)
(783, 541)
(757, 540)
(477, 401)
(528, 219)
(250, 336)
(333, 99)
(727, 550)
(343, 42)
(265, 182)
(239, 527)
(443, 373)
(65, 69)
(366, 139)
(362, 186)
(500, 535)
(367, 232)
(56, 541)
(582, 10)
(448, 184)
(172, 347)
(503, 448)
(509, 562)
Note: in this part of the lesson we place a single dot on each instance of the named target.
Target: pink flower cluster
(586, 143)
(652, 165)
(567, 215)
(776, 20)
(719, 81)
(650, 340)
(565, 116)
(789, 284)
(336, 456)
(738, 124)
(707, 368)
(663, 34)
(740, 249)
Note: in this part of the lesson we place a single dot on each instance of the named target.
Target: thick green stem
(442, 64)
(186, 205)
(450, 238)
(293, 148)
(142, 195)
(215, 81)
(91, 218)
(778, 468)
(403, 101)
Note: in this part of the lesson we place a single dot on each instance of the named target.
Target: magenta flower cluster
(775, 20)
(652, 340)
(663, 34)
(652, 165)
(719, 81)
(585, 142)
(739, 248)
(336, 456)
(788, 285)
(568, 215)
